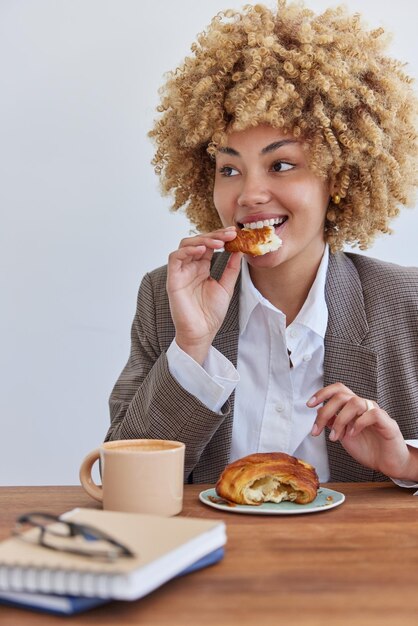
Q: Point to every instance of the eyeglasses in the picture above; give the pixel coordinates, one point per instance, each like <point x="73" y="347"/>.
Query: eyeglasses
<point x="65" y="536"/>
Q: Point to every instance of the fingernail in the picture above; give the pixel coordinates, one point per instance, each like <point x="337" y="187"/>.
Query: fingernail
<point x="230" y="228"/>
<point x="315" y="430"/>
<point x="311" y="401"/>
<point x="333" y="435"/>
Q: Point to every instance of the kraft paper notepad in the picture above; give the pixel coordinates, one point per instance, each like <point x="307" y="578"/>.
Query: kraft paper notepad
<point x="164" y="548"/>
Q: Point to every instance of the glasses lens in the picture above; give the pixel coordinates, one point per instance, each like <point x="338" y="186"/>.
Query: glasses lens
<point x="51" y="532"/>
<point x="80" y="545"/>
<point x="36" y="524"/>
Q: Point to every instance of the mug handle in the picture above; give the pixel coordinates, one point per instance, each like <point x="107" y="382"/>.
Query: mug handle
<point x="87" y="482"/>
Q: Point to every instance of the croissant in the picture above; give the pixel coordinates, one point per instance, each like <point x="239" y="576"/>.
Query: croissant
<point x="268" y="477"/>
<point x="254" y="241"/>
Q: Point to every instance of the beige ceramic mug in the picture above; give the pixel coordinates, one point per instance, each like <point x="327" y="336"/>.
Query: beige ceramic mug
<point x="138" y="476"/>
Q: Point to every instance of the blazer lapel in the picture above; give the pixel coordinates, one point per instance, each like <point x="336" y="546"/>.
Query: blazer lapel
<point x="346" y="359"/>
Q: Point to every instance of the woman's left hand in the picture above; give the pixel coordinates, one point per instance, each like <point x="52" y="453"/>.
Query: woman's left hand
<point x="365" y="430"/>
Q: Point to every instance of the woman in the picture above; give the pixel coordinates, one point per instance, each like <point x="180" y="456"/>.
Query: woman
<point x="299" y="121"/>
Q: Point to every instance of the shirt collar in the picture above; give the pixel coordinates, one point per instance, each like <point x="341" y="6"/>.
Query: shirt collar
<point x="314" y="312"/>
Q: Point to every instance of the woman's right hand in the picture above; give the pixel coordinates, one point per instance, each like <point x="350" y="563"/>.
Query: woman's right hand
<point x="198" y="302"/>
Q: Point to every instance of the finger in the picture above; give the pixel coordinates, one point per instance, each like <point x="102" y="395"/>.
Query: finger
<point x="376" y="417"/>
<point x="215" y="239"/>
<point x="347" y="417"/>
<point x="326" y="393"/>
<point x="179" y="260"/>
<point x="328" y="413"/>
<point x="231" y="272"/>
<point x="360" y="424"/>
<point x="186" y="255"/>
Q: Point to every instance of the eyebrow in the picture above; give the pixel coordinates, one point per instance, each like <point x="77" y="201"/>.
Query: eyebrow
<point x="270" y="148"/>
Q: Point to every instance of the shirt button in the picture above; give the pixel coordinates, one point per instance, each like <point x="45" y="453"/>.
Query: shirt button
<point x="279" y="407"/>
<point x="307" y="357"/>
<point x="293" y="333"/>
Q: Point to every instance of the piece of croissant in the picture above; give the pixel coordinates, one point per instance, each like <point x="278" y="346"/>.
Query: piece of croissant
<point x="254" y="241"/>
<point x="268" y="477"/>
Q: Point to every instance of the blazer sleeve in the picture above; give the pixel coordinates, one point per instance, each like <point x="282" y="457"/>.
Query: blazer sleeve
<point x="147" y="402"/>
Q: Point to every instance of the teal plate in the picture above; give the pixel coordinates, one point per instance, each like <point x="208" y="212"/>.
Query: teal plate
<point x="325" y="500"/>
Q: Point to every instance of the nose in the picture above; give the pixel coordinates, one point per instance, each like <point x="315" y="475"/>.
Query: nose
<point x="254" y="191"/>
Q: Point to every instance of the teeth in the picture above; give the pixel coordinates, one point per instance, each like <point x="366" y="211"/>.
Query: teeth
<point x="271" y="222"/>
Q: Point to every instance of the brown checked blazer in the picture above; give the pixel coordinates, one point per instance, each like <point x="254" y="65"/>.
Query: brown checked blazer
<point x="371" y="345"/>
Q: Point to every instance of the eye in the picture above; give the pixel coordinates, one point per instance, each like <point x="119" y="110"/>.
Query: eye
<point x="228" y="171"/>
<point x="281" y="166"/>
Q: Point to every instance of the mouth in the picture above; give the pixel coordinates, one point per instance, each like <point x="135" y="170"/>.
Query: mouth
<point x="276" y="221"/>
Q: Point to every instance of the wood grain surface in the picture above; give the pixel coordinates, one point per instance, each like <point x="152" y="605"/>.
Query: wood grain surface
<point x="356" y="564"/>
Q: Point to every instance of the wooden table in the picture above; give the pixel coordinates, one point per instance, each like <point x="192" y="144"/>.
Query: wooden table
<point x="356" y="564"/>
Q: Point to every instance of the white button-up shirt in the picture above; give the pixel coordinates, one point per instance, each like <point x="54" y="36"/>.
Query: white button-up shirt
<point x="270" y="398"/>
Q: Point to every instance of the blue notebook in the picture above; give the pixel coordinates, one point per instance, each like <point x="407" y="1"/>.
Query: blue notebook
<point x="69" y="605"/>
<point x="50" y="603"/>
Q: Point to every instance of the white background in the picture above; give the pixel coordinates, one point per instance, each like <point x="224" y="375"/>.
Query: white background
<point x="80" y="205"/>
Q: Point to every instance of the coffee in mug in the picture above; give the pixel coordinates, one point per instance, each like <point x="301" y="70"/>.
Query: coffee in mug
<point x="138" y="476"/>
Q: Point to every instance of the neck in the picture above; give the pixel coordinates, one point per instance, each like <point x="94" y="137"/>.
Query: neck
<point x="287" y="286"/>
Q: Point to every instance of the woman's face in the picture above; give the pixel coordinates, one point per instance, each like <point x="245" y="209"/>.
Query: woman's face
<point x="263" y="174"/>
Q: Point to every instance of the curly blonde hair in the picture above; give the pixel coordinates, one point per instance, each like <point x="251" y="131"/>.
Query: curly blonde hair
<point x="323" y="78"/>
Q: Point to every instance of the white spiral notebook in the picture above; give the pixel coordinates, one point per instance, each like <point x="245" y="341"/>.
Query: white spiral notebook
<point x="164" y="548"/>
